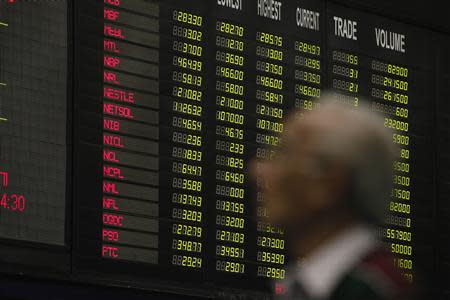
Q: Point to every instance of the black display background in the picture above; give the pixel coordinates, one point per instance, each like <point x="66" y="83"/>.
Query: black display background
<point x="421" y="109"/>
<point x="416" y="60"/>
<point x="429" y="64"/>
<point x="52" y="256"/>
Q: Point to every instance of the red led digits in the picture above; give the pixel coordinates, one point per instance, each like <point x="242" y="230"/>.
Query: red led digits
<point x="110" y="77"/>
<point x="112" y="220"/>
<point x="118" y="94"/>
<point x="111" y="125"/>
<point x="110" y="46"/>
<point x="17" y="203"/>
<point x="110" y="203"/>
<point x="12" y="202"/>
<point x="110" y="235"/>
<point x="122" y="131"/>
<point x="114" y="141"/>
<point x="117" y="110"/>
<point x="280" y="289"/>
<point x="110" y="61"/>
<point x="112" y="2"/>
<point x="110" y="252"/>
<point x="112" y="172"/>
<point x="110" y="14"/>
<point x="4" y="179"/>
<point x="110" y="188"/>
<point x="113" y="32"/>
<point x="110" y="156"/>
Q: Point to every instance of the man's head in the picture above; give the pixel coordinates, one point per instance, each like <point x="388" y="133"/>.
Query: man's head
<point x="335" y="160"/>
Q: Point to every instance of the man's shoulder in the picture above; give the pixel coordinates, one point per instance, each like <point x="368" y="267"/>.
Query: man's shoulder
<point x="374" y="277"/>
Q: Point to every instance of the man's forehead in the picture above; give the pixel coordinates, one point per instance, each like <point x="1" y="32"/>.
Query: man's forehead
<point x="313" y="123"/>
<point x="299" y="134"/>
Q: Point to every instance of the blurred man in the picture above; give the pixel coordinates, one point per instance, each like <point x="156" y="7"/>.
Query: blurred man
<point x="328" y="186"/>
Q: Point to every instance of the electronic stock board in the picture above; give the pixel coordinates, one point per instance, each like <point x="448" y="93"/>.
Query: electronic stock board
<point x="127" y="127"/>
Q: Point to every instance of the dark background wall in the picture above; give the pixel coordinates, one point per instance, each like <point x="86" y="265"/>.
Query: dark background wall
<point x="18" y="288"/>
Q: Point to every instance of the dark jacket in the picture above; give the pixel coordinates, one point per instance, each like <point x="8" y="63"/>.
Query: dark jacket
<point x="375" y="277"/>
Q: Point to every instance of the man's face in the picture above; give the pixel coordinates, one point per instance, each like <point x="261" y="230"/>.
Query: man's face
<point x="294" y="189"/>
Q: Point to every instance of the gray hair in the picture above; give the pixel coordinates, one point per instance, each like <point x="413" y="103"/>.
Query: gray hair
<point x="360" y="142"/>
